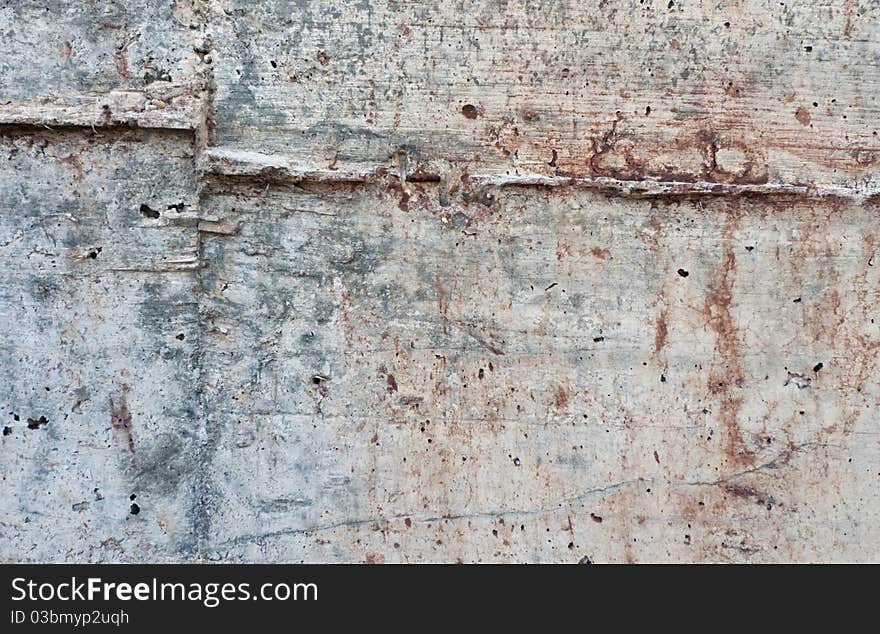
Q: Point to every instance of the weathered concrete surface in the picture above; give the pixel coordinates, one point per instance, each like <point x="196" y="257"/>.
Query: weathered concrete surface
<point x="99" y="306"/>
<point x="742" y="92"/>
<point x="294" y="300"/>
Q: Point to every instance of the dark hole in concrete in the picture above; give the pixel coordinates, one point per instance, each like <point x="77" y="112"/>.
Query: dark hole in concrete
<point x="683" y="273"/>
<point x="149" y="212"/>
<point x="135" y="509"/>
<point x="35" y="423"/>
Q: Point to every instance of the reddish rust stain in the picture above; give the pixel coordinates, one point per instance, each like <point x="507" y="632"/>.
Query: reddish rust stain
<point x="563" y="250"/>
<point x="322" y="57"/>
<point x="122" y="63"/>
<point x="422" y="176"/>
<point x="443" y="306"/>
<point x="569" y="528"/>
<point x="848" y="15"/>
<point x="618" y="153"/>
<point x="530" y="114"/>
<point x="392" y="383"/>
<point x="332" y="164"/>
<point x="561" y="398"/>
<point x="408" y="522"/>
<point x="375" y="438"/>
<point x="371" y="103"/>
<point x="66" y="51"/>
<point x="803" y="116"/>
<point x="748" y="493"/>
<point x="652" y="237"/>
<point x="752" y="172"/>
<point x="120" y="421"/>
<point x="601" y="254"/>
<point x="723" y="382"/>
<point x="394" y="185"/>
<point x="661" y="331"/>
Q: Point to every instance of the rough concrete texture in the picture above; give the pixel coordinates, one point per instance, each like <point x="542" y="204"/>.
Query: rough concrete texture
<point x="401" y="281"/>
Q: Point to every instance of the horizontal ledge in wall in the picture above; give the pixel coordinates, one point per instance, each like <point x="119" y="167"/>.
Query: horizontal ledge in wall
<point x="231" y="162"/>
<point x="161" y="105"/>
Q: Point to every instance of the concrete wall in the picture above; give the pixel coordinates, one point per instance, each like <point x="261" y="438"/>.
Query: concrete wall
<point x="400" y="281"/>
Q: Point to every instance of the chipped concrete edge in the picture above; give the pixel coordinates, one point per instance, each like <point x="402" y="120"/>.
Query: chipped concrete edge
<point x="231" y="162"/>
<point x="161" y="105"/>
<point x="187" y="107"/>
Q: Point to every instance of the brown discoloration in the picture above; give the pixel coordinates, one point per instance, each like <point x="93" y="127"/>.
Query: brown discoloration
<point x="661" y="331"/>
<point x="725" y="382"/>
<point x="709" y="157"/>
<point x="121" y="61"/>
<point x="326" y="274"/>
<point x="803" y="116"/>
<point x="443" y="306"/>
<point x="394" y="185"/>
<point x="66" y="51"/>
<point x="74" y="162"/>
<point x="600" y="253"/>
<point x="560" y="398"/>
<point x="563" y="250"/>
<point x="847" y="18"/>
<point x="749" y="493"/>
<point x="422" y="176"/>
<point x="529" y="114"/>
<point x="120" y="421"/>
<point x="470" y="111"/>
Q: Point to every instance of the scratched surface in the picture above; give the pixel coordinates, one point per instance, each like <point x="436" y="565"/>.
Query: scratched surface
<point x="404" y="282"/>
